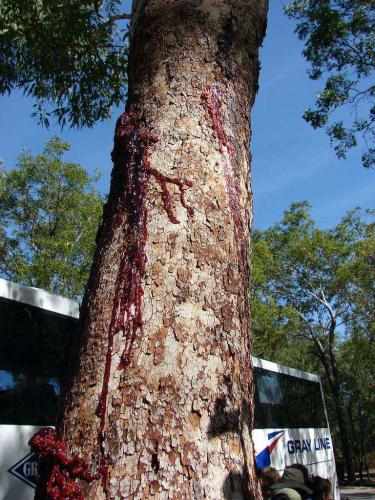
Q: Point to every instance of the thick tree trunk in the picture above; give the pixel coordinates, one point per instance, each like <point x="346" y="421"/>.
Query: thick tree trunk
<point x="161" y="403"/>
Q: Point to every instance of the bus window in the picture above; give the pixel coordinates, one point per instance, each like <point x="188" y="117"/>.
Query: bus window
<point x="284" y="401"/>
<point x="34" y="349"/>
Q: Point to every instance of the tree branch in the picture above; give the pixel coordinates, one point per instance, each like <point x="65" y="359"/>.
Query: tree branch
<point x="323" y="301"/>
<point x="118" y="17"/>
<point x="311" y="335"/>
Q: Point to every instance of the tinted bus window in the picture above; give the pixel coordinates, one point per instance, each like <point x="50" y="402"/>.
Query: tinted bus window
<point x="35" y="348"/>
<point x="284" y="401"/>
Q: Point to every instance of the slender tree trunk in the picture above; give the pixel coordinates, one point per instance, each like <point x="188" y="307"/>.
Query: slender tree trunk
<point x="343" y="428"/>
<point x="362" y="437"/>
<point x="333" y="377"/>
<point x="340" y="411"/>
<point x="161" y="403"/>
<point x="353" y="438"/>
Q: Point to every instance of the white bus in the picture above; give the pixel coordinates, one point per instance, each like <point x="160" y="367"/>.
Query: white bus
<point x="38" y="332"/>
<point x="290" y="421"/>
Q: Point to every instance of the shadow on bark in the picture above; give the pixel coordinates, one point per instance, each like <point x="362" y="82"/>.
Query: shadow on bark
<point x="226" y="420"/>
<point x="236" y="486"/>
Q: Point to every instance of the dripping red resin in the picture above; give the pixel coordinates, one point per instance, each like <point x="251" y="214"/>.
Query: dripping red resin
<point x="57" y="470"/>
<point x="130" y="179"/>
<point x="125" y="211"/>
<point x="212" y="100"/>
<point x="132" y="170"/>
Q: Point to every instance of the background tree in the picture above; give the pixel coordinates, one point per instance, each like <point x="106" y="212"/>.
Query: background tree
<point x="49" y="214"/>
<point x="274" y="324"/>
<point x="357" y="362"/>
<point x="340" y="46"/>
<point x="315" y="273"/>
<point x="70" y="56"/>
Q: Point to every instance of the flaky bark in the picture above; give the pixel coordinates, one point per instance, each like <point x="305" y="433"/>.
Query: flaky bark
<point x="175" y="419"/>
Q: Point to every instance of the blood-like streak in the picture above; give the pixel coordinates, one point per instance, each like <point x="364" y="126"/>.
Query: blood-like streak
<point x="212" y="102"/>
<point x="57" y="470"/>
<point x="132" y="170"/>
<point x="133" y="165"/>
<point x="125" y="212"/>
<point x="163" y="180"/>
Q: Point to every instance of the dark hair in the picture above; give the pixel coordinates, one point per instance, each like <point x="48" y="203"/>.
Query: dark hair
<point x="321" y="487"/>
<point x="270" y="475"/>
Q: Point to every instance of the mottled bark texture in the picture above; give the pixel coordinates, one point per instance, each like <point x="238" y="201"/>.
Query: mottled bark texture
<point x="175" y="420"/>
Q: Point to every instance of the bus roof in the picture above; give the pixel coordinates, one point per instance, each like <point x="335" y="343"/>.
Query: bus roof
<point x="66" y="307"/>
<point x="39" y="298"/>
<point x="275" y="367"/>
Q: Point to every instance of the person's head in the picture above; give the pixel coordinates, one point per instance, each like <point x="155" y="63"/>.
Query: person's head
<point x="268" y="477"/>
<point x="295" y="479"/>
<point x="287" y="494"/>
<point x="303" y="469"/>
<point x="321" y="487"/>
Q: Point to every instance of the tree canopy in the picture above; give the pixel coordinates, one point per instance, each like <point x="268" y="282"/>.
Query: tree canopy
<point x="313" y="301"/>
<point x="49" y="213"/>
<point x="340" y="46"/>
<point x="309" y="281"/>
<point x="70" y="56"/>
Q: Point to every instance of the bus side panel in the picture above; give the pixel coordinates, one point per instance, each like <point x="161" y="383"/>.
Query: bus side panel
<point x="311" y="447"/>
<point x="17" y="463"/>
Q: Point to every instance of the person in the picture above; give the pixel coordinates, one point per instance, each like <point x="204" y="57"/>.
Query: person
<point x="287" y="494"/>
<point x="268" y="477"/>
<point x="321" y="488"/>
<point x="292" y="486"/>
<point x="305" y="471"/>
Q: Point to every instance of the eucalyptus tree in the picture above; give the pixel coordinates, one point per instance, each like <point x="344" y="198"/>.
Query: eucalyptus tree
<point x="161" y="401"/>
<point x="316" y="273"/>
<point x="340" y="46"/>
<point x="49" y="215"/>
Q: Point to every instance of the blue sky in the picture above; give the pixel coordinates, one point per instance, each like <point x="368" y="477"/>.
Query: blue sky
<point x="291" y="161"/>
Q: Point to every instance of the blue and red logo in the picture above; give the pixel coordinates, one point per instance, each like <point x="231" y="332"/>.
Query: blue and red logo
<point x="26" y="469"/>
<point x="263" y="459"/>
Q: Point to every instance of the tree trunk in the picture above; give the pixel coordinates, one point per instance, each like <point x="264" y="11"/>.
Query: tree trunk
<point x="343" y="428"/>
<point x="340" y="410"/>
<point x="161" y="403"/>
<point x="355" y="449"/>
<point x="333" y="377"/>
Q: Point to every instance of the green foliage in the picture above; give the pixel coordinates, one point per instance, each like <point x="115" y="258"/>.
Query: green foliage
<point x="310" y="269"/>
<point x="359" y="274"/>
<point x="70" y="56"/>
<point x="49" y="213"/>
<point x="313" y="305"/>
<point x="340" y="45"/>
<point x="273" y="324"/>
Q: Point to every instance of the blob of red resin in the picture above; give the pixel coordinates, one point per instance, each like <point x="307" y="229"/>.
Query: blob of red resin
<point x="57" y="470"/>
